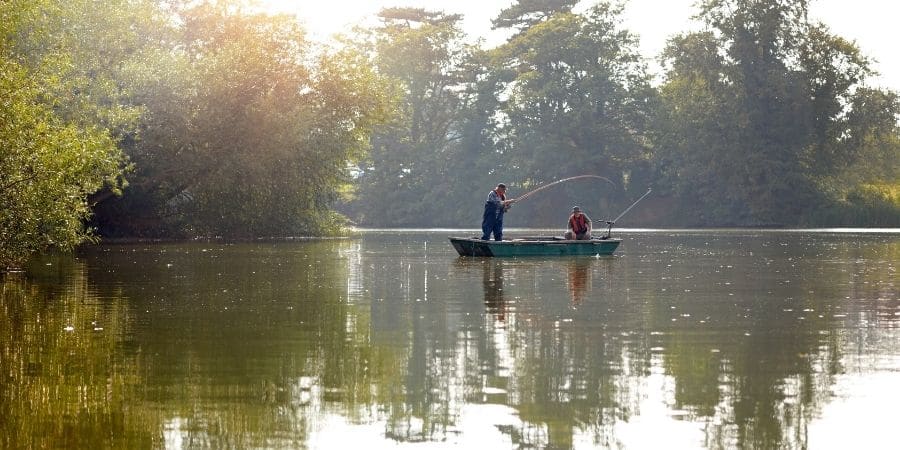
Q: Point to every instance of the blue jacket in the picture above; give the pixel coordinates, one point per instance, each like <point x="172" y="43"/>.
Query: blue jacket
<point x="494" y="203"/>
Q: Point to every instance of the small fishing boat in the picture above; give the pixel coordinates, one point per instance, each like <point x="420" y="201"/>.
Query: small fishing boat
<point x="534" y="246"/>
<point x="544" y="245"/>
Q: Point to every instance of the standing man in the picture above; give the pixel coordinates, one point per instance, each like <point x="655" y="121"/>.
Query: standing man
<point x="494" y="207"/>
<point x="579" y="225"/>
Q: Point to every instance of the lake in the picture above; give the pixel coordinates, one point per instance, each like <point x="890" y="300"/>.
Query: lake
<point x="682" y="339"/>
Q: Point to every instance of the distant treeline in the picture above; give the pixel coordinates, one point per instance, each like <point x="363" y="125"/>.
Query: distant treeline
<point x="178" y="118"/>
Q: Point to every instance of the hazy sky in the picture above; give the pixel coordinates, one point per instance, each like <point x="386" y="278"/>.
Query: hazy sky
<point x="871" y="23"/>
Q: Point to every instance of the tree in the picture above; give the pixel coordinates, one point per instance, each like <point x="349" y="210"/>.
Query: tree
<point x="524" y="14"/>
<point x="248" y="131"/>
<point x="578" y="102"/>
<point x="567" y="95"/>
<point x="865" y="190"/>
<point x="755" y="113"/>
<point x="871" y="142"/>
<point x="59" y="124"/>
<point x="411" y="161"/>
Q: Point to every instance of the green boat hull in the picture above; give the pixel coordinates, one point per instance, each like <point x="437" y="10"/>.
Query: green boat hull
<point x="534" y="246"/>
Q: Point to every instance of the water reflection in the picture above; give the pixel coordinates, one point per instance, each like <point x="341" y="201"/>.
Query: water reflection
<point x="717" y="341"/>
<point x="492" y="280"/>
<point x="63" y="380"/>
<point x="579" y="279"/>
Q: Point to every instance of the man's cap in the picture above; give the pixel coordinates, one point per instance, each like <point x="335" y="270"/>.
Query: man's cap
<point x="501" y="185"/>
<point x="576" y="208"/>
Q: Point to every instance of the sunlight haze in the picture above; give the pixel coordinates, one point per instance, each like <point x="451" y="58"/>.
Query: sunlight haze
<point x="870" y="23"/>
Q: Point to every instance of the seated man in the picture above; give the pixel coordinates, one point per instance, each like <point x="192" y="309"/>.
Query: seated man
<point x="579" y="225"/>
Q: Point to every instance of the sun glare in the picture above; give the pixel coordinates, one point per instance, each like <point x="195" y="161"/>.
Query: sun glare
<point x="322" y="18"/>
<point x="285" y="6"/>
<point x="653" y="20"/>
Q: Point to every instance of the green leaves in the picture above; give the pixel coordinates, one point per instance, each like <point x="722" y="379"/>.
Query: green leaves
<point x="424" y="61"/>
<point x="233" y="124"/>
<point x="48" y="168"/>
<point x="248" y="130"/>
<point x="60" y="119"/>
<point x="579" y="100"/>
<point x="523" y="14"/>
<point x="759" y="117"/>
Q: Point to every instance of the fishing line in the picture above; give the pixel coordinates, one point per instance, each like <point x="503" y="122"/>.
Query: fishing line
<point x="530" y="193"/>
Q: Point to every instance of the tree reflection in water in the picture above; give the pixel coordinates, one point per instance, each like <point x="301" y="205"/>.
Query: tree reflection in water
<point x="64" y="382"/>
<point x="492" y="280"/>
<point x="292" y="345"/>
<point x="579" y="279"/>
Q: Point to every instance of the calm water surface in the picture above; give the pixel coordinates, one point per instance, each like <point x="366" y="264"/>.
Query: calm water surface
<point x="713" y="339"/>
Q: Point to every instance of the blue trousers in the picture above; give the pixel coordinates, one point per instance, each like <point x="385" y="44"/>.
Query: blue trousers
<point x="492" y="222"/>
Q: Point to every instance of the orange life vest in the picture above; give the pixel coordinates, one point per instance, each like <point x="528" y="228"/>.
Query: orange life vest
<point x="578" y="223"/>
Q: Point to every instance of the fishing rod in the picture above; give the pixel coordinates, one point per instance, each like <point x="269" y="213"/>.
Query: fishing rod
<point x="611" y="222"/>
<point x="530" y="193"/>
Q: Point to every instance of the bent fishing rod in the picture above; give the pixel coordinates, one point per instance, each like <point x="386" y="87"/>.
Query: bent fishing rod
<point x="610" y="223"/>
<point x="530" y="193"/>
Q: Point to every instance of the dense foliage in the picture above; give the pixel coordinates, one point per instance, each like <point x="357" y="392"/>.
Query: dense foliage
<point x="525" y="111"/>
<point x="228" y="122"/>
<point x="60" y="119"/>
<point x="224" y="122"/>
<point x="423" y="53"/>
<point x="248" y="131"/>
<point x="579" y="102"/>
<point x="762" y="120"/>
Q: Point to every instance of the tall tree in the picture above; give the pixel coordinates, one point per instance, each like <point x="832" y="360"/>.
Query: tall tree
<point x="411" y="158"/>
<point x="61" y="116"/>
<point x="249" y="130"/>
<point x="756" y="112"/>
<point x="578" y="102"/>
<point x="524" y="14"/>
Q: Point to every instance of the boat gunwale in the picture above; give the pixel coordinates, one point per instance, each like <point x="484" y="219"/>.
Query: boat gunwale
<point x="538" y="240"/>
